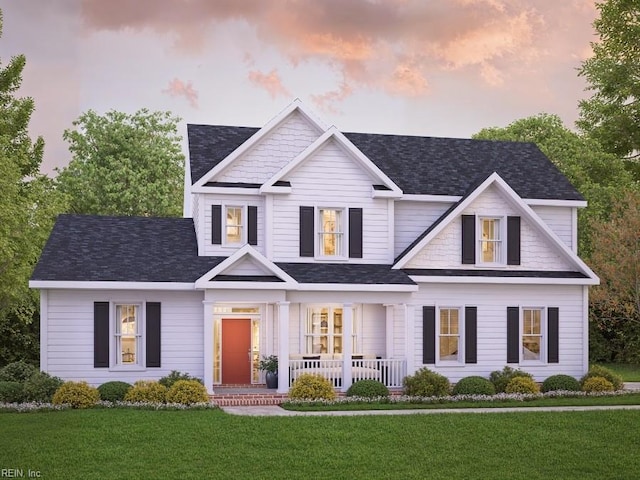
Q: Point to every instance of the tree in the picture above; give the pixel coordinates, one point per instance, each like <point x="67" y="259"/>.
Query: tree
<point x="615" y="312"/>
<point x="28" y="205"/>
<point x="612" y="114"/>
<point x="124" y="164"/>
<point x="599" y="176"/>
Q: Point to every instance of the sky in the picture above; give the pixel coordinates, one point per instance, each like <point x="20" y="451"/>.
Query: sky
<point x="444" y="68"/>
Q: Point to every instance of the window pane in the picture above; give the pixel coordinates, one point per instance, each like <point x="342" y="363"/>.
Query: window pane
<point x="127" y="334"/>
<point x="531" y="347"/>
<point x="234" y="225"/>
<point x="330" y="232"/>
<point x="531" y="334"/>
<point x="490" y="242"/>
<point x="448" y="348"/>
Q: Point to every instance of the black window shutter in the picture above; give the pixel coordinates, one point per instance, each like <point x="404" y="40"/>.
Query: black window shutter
<point x="428" y="334"/>
<point x="468" y="239"/>
<point x="513" y="334"/>
<point x="100" y="334"/>
<point x="553" y="325"/>
<point x="306" y="232"/>
<point x="153" y="334"/>
<point x="513" y="240"/>
<point x="355" y="233"/>
<point x="216" y="224"/>
<point x="252" y="231"/>
<point x="471" y="335"/>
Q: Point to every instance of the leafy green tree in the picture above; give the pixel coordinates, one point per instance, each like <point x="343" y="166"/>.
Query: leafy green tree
<point x="599" y="176"/>
<point x="612" y="114"/>
<point x="124" y="164"/>
<point x="28" y="205"/>
<point x="615" y="303"/>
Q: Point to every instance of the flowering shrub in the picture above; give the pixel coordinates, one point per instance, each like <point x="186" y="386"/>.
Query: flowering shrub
<point x="598" y="371"/>
<point x="76" y="394"/>
<point x="187" y="392"/>
<point x="311" y="386"/>
<point x="500" y="378"/>
<point x="560" y="382"/>
<point x="368" y="389"/>
<point x="522" y="385"/>
<point x="597" y="384"/>
<point x="146" y="391"/>
<point x="425" y="383"/>
<point x="474" y="385"/>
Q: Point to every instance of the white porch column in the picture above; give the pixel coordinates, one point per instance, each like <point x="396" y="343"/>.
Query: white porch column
<point x="208" y="346"/>
<point x="389" y="330"/>
<point x="283" y="347"/>
<point x="410" y="344"/>
<point x="347" y="345"/>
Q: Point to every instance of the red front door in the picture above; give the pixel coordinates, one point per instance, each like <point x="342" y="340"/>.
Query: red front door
<point x="236" y="349"/>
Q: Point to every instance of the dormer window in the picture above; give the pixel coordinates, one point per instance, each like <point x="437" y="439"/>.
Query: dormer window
<point x="490" y="240"/>
<point x="330" y="232"/>
<point x="234" y="225"/>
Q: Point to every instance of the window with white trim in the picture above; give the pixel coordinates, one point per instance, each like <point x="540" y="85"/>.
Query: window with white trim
<point x="449" y="335"/>
<point x="128" y="335"/>
<point x="324" y="330"/>
<point x="330" y="232"/>
<point x="490" y="240"/>
<point x="234" y="225"/>
<point x="532" y="339"/>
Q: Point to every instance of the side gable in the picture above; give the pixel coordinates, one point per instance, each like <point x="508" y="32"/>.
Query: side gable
<point x="268" y="149"/>
<point x="440" y="246"/>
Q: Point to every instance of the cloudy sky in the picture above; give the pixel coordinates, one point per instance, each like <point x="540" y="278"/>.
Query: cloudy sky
<point x="420" y="67"/>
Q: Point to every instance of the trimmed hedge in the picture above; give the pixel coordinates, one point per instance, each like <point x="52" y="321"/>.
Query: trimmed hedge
<point x="176" y="376"/>
<point x="501" y="378"/>
<point x="187" y="392"/>
<point x="522" y="385"/>
<point x="309" y="386"/>
<point x="368" y="389"/>
<point x="474" y="385"/>
<point x="113" y="391"/>
<point x="40" y="387"/>
<point x="598" y="371"/>
<point x="425" y="383"/>
<point x="560" y="382"/>
<point x="76" y="394"/>
<point x="146" y="391"/>
<point x="597" y="384"/>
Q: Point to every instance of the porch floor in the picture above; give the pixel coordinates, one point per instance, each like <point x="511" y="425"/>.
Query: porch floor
<point x="245" y="395"/>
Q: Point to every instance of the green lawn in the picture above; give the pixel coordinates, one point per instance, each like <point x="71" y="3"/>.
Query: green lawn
<point x="629" y="373"/>
<point x="211" y="444"/>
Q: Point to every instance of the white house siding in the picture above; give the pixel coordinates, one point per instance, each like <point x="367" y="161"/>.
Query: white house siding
<point x="412" y="219"/>
<point x="223" y="250"/>
<point x="559" y="220"/>
<point x="69" y="348"/>
<point x="331" y="178"/>
<point x="492" y="302"/>
<point x="247" y="266"/>
<point x="399" y="331"/>
<point x="272" y="152"/>
<point x="536" y="251"/>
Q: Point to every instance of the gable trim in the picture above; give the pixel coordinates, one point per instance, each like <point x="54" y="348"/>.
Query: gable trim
<point x="519" y="203"/>
<point x="206" y="280"/>
<point x="415" y="197"/>
<point x="333" y="133"/>
<point x="271" y="125"/>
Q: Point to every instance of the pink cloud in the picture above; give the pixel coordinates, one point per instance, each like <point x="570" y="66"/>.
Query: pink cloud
<point x="270" y="82"/>
<point x="327" y="101"/>
<point x="178" y="88"/>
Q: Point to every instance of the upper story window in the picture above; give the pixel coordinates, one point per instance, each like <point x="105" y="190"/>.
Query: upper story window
<point x="234" y="226"/>
<point x="490" y="240"/>
<point x="330" y="232"/>
<point x="128" y="335"/>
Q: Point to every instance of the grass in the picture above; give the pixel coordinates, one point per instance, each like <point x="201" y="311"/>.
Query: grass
<point x="139" y="444"/>
<point x="629" y="373"/>
<point x="630" y="399"/>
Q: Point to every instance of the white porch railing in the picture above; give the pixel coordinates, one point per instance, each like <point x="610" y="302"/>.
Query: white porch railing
<point x="390" y="372"/>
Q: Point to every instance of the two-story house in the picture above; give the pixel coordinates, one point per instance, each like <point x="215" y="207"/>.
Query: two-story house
<point x="352" y="255"/>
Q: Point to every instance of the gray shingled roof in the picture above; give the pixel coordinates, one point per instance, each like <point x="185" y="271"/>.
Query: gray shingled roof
<point x="125" y="249"/>
<point x="361" y="273"/>
<point x="453" y="272"/>
<point x="418" y="165"/>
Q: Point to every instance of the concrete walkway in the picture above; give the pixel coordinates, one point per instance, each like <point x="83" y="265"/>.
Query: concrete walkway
<point x="276" y="411"/>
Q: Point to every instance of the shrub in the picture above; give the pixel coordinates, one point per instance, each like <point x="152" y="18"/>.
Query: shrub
<point x="560" y="382"/>
<point x="17" y="372"/>
<point x="522" y="385"/>
<point x="11" y="392"/>
<point x="368" y="389"/>
<point x="76" y="394"/>
<point x="425" y="383"/>
<point x="41" y="386"/>
<point x="500" y="378"/>
<point x="146" y="391"/>
<point x="597" y="384"/>
<point x="113" y="391"/>
<point x="474" y="385"/>
<point x="174" y="377"/>
<point x="598" y="371"/>
<point x="309" y="386"/>
<point x="187" y="392"/>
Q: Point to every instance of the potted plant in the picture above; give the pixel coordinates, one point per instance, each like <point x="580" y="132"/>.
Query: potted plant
<point x="270" y="366"/>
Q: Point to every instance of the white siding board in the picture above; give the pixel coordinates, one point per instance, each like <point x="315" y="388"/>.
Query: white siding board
<point x="247" y="266"/>
<point x="273" y="152"/>
<point x="444" y="251"/>
<point x="558" y="219"/>
<point x="412" y="219"/>
<point x="70" y="340"/>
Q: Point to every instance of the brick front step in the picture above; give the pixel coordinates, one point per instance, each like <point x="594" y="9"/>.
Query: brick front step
<point x="247" y="399"/>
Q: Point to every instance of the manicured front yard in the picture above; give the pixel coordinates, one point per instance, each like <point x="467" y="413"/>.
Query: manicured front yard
<point x="211" y="444"/>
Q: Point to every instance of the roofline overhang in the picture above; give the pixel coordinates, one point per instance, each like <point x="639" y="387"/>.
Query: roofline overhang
<point x="538" y="202"/>
<point x="116" y="285"/>
<point x="504" y="280"/>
